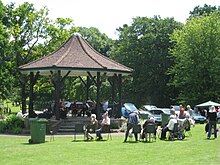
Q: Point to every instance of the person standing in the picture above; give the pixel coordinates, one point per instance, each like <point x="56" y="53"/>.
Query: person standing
<point x="182" y="113"/>
<point x="212" y="117"/>
<point x="133" y="119"/>
<point x="172" y="111"/>
<point x="189" y="110"/>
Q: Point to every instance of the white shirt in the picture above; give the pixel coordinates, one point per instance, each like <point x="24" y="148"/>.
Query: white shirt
<point x="106" y="121"/>
<point x="171" y="124"/>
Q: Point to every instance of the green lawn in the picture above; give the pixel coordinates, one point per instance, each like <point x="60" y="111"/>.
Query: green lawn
<point x="192" y="150"/>
<point x="14" y="109"/>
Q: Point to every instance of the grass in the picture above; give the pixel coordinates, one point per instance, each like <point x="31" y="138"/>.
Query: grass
<point x="8" y="104"/>
<point x="15" y="150"/>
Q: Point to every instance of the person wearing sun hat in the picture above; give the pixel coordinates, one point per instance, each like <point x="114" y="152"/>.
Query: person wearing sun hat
<point x="92" y="125"/>
<point x="212" y="117"/>
<point x="148" y="121"/>
<point x="169" y="127"/>
<point x="105" y="121"/>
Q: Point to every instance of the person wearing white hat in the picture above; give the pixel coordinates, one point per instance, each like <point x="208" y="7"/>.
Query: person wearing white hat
<point x="169" y="127"/>
<point x="105" y="121"/>
<point x="212" y="117"/>
<point x="148" y="121"/>
<point x="91" y="126"/>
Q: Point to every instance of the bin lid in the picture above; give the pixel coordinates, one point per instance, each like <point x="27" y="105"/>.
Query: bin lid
<point x="38" y="120"/>
<point x="42" y="120"/>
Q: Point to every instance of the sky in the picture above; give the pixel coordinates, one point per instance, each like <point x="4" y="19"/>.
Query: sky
<point x="108" y="15"/>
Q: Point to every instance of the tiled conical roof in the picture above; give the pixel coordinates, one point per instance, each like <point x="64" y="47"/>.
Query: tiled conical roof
<point x="78" y="57"/>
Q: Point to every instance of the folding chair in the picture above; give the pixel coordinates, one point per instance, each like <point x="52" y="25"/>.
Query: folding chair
<point x="188" y="132"/>
<point x="135" y="130"/>
<point x="187" y="127"/>
<point x="107" y="129"/>
<point x="79" y="128"/>
<point x="173" y="132"/>
<point x="149" y="131"/>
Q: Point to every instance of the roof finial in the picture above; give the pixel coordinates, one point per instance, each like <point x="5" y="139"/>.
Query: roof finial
<point x="76" y="34"/>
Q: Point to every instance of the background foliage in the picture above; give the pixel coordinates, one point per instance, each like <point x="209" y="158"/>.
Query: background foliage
<point x="173" y="62"/>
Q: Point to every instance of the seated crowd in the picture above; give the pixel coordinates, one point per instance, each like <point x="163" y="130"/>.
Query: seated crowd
<point x="182" y="120"/>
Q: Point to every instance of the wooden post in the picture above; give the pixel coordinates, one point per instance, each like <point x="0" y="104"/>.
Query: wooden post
<point x="118" y="113"/>
<point x="87" y="87"/>
<point x="98" y="85"/>
<point x="57" y="84"/>
<point x="31" y="99"/>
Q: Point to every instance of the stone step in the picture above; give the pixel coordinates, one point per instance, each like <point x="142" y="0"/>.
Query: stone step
<point x="66" y="130"/>
<point x="67" y="127"/>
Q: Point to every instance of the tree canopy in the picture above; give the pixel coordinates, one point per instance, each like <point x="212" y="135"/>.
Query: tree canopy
<point x="172" y="62"/>
<point x="144" y="46"/>
<point x="196" y="53"/>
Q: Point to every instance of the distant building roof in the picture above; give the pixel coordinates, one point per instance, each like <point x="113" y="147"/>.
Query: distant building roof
<point x="77" y="56"/>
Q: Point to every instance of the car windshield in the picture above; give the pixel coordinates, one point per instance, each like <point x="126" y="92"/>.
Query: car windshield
<point x="149" y="107"/>
<point x="167" y="111"/>
<point x="149" y="114"/>
<point x="176" y="107"/>
<point x="130" y="107"/>
<point x="196" y="114"/>
<point x="156" y="112"/>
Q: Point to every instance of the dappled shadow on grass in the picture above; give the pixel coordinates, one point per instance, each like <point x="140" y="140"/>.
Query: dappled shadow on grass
<point x="132" y="142"/>
<point x="175" y="140"/>
<point x="209" y="139"/>
<point x="87" y="141"/>
<point x="145" y="141"/>
<point x="27" y="143"/>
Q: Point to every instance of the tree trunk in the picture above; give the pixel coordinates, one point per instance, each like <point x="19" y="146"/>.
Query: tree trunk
<point x="23" y="97"/>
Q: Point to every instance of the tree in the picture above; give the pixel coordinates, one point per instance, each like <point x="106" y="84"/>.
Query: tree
<point x="99" y="41"/>
<point x="144" y="47"/>
<point x="4" y="39"/>
<point x="203" y="11"/>
<point x="196" y="53"/>
<point x="26" y="27"/>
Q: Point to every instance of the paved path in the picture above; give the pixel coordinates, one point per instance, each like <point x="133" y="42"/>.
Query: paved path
<point x="59" y="135"/>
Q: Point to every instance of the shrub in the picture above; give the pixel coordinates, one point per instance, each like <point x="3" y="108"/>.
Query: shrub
<point x="16" y="130"/>
<point x="2" y="126"/>
<point x="14" y="124"/>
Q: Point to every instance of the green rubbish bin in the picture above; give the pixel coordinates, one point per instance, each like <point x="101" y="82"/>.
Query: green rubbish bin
<point x="165" y="119"/>
<point x="38" y="130"/>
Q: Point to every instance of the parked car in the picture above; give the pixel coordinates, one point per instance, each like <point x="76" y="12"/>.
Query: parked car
<point x="146" y="115"/>
<point x="176" y="107"/>
<point x="148" y="107"/>
<point x="129" y="107"/>
<point x="158" y="113"/>
<point x="198" y="118"/>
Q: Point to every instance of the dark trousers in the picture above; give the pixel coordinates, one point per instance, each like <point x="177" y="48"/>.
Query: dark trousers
<point x="212" y="124"/>
<point x="98" y="132"/>
<point x="129" y="127"/>
<point x="164" y="131"/>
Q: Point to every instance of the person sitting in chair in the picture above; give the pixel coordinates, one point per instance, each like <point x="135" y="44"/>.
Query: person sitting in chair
<point x="105" y="121"/>
<point x="169" y="127"/>
<point x="92" y="125"/>
<point x="148" y="121"/>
